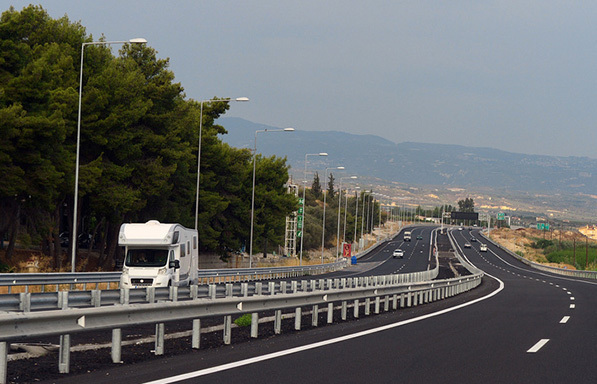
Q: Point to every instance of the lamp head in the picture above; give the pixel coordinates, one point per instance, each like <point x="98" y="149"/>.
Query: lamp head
<point x="288" y="129"/>
<point x="138" y="40"/>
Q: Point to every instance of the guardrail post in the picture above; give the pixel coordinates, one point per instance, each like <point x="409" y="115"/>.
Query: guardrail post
<point x="313" y="284"/>
<point x="278" y="322"/>
<point x="196" y="336"/>
<point x="173" y="294"/>
<point x="211" y="291"/>
<point x="63" y="299"/>
<point x="343" y="310"/>
<point x="25" y="301"/>
<point x="315" y="315"/>
<point x="3" y="362"/>
<point x="377" y="305"/>
<point x="297" y="318"/>
<point x="356" y="309"/>
<point x="304" y="285"/>
<point x="258" y="288"/>
<point x="124" y="295"/>
<point x="367" y="306"/>
<point x="330" y="313"/>
<point x="409" y="299"/>
<point x="244" y="289"/>
<point x="229" y="290"/>
<point x="96" y="298"/>
<point x="194" y="291"/>
<point x="386" y="303"/>
<point x="150" y="295"/>
<point x="159" y="339"/>
<point x="64" y="354"/>
<point x="227" y="329"/>
<point x="254" y="325"/>
<point x="271" y="287"/>
<point x="283" y="287"/>
<point x="343" y="282"/>
<point x="395" y="302"/>
<point x="116" y="351"/>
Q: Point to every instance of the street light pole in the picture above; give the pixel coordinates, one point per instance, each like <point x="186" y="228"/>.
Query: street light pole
<point x="356" y="215"/>
<point x="339" y="208"/>
<point x="304" y="189"/>
<point x="76" y="197"/>
<point x="253" y="191"/>
<point x="363" y="217"/>
<point x="324" y="198"/>
<point x="227" y="100"/>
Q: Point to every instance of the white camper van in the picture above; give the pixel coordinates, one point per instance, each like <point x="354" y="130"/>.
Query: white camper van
<point x="158" y="255"/>
<point x="407" y="235"/>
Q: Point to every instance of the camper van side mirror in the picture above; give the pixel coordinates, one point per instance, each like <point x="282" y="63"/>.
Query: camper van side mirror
<point x="174" y="264"/>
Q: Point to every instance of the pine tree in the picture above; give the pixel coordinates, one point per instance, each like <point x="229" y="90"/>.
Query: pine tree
<point x="316" y="186"/>
<point x="331" y="187"/>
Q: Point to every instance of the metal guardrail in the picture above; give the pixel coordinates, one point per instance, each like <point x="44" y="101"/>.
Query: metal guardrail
<point x="168" y="304"/>
<point x="546" y="268"/>
<point x="205" y="275"/>
<point x="18" y="325"/>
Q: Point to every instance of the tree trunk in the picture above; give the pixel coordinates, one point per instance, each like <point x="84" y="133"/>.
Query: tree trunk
<point x="113" y="229"/>
<point x="57" y="249"/>
<point x="12" y="239"/>
<point x="92" y="241"/>
<point x="265" y="247"/>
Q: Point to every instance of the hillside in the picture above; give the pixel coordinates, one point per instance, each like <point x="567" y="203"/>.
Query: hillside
<point x="434" y="174"/>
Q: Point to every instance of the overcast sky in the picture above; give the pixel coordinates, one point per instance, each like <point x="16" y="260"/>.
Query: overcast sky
<point x="514" y="75"/>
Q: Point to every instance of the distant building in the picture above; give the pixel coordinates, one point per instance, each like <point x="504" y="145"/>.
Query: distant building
<point x="590" y="231"/>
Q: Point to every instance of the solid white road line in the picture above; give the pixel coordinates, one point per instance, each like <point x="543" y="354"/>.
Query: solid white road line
<point x="564" y="319"/>
<point x="538" y="346"/>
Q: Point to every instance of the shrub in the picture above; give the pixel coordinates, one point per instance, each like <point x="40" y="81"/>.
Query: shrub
<point x="542" y="244"/>
<point x="244" y="320"/>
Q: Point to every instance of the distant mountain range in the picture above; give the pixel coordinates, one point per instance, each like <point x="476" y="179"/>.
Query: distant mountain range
<point x="419" y="163"/>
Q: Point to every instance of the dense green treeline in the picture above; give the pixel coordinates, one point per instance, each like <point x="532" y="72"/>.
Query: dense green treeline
<point x="138" y="152"/>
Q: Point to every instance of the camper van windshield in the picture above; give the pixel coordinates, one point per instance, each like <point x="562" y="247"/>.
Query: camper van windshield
<point x="146" y="257"/>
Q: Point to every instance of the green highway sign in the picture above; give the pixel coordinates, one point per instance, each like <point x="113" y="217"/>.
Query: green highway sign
<point x="299" y="233"/>
<point x="501" y="216"/>
<point x="301" y="201"/>
<point x="543" y="226"/>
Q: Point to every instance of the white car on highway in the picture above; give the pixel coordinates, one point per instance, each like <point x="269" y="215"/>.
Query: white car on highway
<point x="398" y="253"/>
<point x="483" y="248"/>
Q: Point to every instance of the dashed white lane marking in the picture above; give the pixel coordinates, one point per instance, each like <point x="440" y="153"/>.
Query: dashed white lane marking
<point x="538" y="346"/>
<point x="572" y="306"/>
<point x="564" y="319"/>
<point x="568" y="292"/>
<point x="571" y="297"/>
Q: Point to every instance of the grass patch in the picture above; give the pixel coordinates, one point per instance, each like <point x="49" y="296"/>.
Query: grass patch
<point x="580" y="261"/>
<point x="244" y="320"/>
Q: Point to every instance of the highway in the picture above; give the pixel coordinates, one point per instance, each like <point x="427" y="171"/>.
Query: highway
<point x="518" y="326"/>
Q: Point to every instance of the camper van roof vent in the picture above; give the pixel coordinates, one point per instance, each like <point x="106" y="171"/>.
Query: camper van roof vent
<point x="153" y="222"/>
